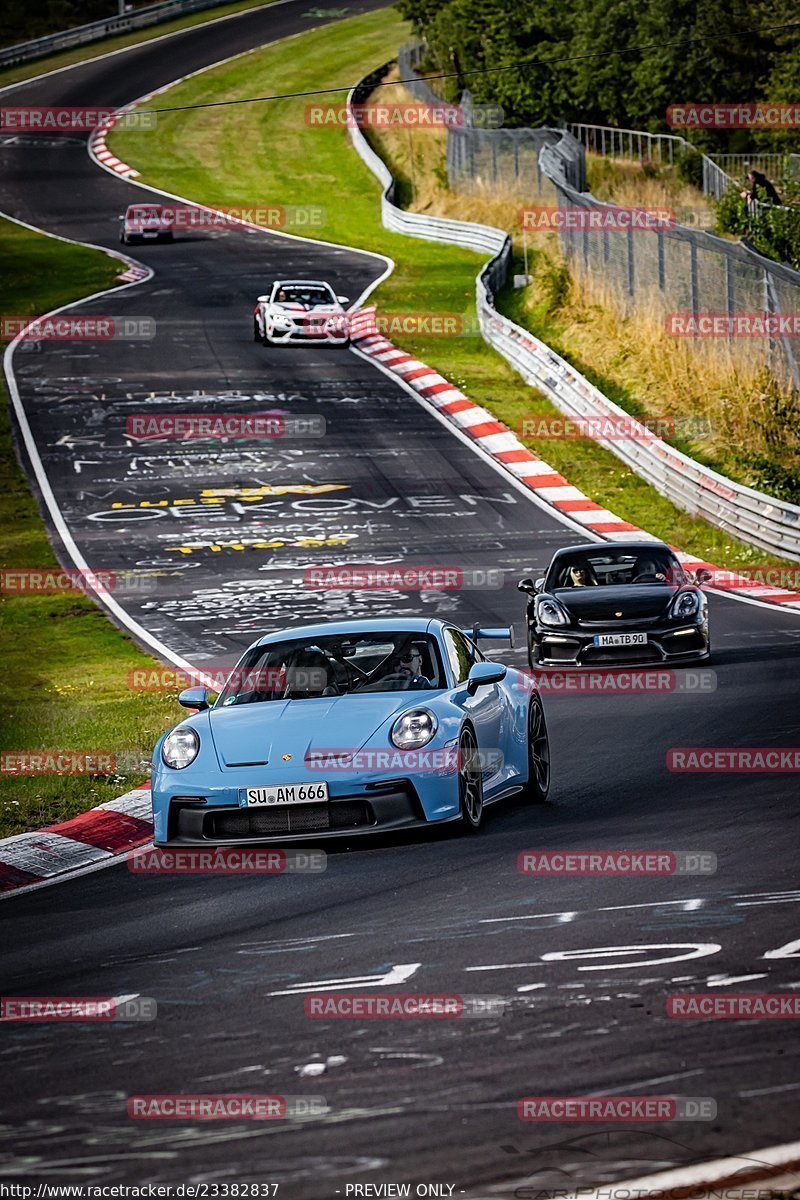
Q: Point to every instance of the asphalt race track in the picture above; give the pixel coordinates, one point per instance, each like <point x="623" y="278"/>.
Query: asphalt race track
<point x="228" y="959"/>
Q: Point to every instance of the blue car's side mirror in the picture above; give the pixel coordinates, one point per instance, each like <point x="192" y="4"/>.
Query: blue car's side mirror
<point x="194" y="697"/>
<point x="483" y="673"/>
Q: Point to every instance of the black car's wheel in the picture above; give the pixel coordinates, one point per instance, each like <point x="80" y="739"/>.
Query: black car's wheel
<point x="470" y="782"/>
<point x="538" y="784"/>
<point x="532" y="663"/>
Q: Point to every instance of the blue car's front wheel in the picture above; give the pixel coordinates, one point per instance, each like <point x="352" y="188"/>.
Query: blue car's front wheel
<point x="538" y="754"/>
<point x="470" y="780"/>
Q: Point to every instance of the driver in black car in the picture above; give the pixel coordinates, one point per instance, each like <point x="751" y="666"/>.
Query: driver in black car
<point x="649" y="570"/>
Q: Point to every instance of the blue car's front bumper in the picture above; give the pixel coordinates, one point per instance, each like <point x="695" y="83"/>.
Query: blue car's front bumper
<point x="187" y="812"/>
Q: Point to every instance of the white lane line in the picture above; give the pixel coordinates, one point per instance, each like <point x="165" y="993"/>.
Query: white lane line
<point x="397" y="974"/>
<point x="688" y="906"/>
<point x="162" y="37"/>
<point x="771" y="1091"/>
<point x="626" y="1088"/>
<point x="725" y="980"/>
<point x="504" y="966"/>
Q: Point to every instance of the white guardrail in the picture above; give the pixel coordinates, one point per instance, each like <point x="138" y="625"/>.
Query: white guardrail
<point x="80" y="35"/>
<point x="773" y="525"/>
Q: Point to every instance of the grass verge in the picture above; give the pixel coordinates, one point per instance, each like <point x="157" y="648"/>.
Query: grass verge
<point x="65" y="667"/>
<point x="232" y="155"/>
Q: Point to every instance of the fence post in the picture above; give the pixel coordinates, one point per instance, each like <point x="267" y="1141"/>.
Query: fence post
<point x="631" y="284"/>
<point x="694" y="281"/>
<point x="661" y="270"/>
<point x="730" y="298"/>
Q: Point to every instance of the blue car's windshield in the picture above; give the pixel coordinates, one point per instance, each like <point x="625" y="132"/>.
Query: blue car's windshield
<point x="341" y="665"/>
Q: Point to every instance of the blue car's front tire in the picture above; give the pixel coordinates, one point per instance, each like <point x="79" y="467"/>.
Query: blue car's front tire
<point x="470" y="781"/>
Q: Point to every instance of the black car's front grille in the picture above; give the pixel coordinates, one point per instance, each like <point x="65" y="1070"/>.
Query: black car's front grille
<point x="613" y="624"/>
<point x="245" y="823"/>
<point x="616" y="655"/>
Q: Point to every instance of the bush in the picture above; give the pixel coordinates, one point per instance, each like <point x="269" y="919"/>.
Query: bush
<point x="773" y="230"/>
<point x="689" y="166"/>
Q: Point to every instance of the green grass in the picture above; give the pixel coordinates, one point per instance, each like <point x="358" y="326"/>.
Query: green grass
<point x="64" y="666"/>
<point x="268" y="151"/>
<point x="65" y="58"/>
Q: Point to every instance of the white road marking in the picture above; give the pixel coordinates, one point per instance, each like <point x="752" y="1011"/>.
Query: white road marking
<point x="785" y="1087"/>
<point x="696" y="950"/>
<point x="397" y="974"/>
<point x="789" y="950"/>
<point x="688" y="906"/>
<point x="724" y="980"/>
<point x="503" y="966"/>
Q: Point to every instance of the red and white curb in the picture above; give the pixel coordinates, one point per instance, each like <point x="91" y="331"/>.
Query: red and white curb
<point x="497" y="440"/>
<point x="92" y="837"/>
<point x="771" y="1170"/>
<point x="104" y="155"/>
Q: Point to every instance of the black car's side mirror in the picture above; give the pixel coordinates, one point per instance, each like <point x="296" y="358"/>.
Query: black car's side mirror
<point x="703" y="576"/>
<point x="525" y="585"/>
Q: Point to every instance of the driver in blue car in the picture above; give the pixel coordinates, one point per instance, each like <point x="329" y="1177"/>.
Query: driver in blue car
<point x="406" y="671"/>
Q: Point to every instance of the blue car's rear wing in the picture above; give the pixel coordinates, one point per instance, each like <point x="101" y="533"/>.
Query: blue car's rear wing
<point x="495" y="632"/>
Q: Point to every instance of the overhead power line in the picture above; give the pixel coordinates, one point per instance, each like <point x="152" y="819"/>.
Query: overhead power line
<point x="520" y="64"/>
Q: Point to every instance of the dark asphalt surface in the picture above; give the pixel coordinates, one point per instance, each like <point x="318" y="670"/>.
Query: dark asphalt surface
<point x="416" y="1101"/>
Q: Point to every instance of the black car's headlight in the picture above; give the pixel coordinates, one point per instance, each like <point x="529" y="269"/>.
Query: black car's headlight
<point x="685" y="604"/>
<point x="414" y="729"/>
<point x="550" y="612"/>
<point x="180" y="747"/>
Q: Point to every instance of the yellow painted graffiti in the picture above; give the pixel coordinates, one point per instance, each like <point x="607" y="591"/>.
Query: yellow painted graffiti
<point x="304" y="543"/>
<point x="245" y="494"/>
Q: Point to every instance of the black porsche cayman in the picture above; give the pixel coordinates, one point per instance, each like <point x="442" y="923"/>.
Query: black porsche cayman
<point x="626" y="602"/>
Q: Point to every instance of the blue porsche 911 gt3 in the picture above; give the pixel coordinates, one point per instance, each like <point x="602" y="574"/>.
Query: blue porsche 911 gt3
<point x="350" y="727"/>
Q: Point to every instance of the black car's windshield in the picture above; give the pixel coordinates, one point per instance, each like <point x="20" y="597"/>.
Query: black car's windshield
<point x="612" y="568"/>
<point x="306" y="293"/>
<point x="341" y="665"/>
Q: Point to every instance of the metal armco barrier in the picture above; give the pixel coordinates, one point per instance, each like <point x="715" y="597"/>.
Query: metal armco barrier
<point x="79" y="35"/>
<point x="773" y="525"/>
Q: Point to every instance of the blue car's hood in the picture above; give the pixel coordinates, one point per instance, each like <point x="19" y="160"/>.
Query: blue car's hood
<point x="264" y="732"/>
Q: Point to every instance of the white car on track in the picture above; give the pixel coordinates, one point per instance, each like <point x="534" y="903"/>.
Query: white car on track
<point x="301" y="310"/>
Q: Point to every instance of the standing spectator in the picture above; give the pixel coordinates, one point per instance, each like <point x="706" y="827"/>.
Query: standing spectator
<point x="761" y="189"/>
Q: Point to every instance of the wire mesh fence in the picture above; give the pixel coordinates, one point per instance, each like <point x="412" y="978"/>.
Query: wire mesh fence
<point x="718" y="293"/>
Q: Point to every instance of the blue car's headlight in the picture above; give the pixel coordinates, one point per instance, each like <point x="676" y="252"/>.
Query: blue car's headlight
<point x="550" y="612"/>
<point x="685" y="604"/>
<point x="414" y="729"/>
<point x="180" y="747"/>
